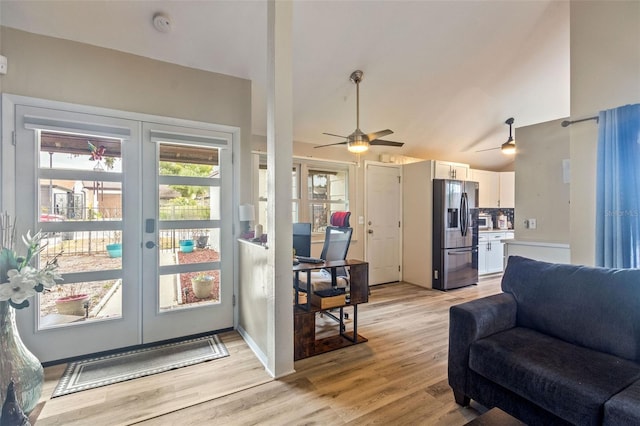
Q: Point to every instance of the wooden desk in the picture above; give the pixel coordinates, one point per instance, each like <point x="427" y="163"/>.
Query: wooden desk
<point x="304" y="314"/>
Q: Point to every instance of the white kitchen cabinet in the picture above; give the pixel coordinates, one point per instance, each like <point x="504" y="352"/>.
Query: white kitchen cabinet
<point x="489" y="187"/>
<point x="497" y="189"/>
<point x="490" y="252"/>
<point x="449" y="170"/>
<point x="507" y="190"/>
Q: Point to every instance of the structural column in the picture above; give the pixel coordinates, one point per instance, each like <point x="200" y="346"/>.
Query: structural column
<point x="279" y="164"/>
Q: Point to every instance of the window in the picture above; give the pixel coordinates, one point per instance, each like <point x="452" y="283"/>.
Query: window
<point x="327" y="193"/>
<point x="260" y="188"/>
<point x="318" y="188"/>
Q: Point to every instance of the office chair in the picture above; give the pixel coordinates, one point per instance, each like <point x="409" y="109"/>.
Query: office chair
<point x="337" y="239"/>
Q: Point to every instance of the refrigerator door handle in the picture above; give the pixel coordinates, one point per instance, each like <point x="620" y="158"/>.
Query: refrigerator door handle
<point x="462" y="252"/>
<point x="464" y="214"/>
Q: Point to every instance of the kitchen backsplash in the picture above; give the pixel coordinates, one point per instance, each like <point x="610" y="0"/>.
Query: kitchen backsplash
<point x="509" y="213"/>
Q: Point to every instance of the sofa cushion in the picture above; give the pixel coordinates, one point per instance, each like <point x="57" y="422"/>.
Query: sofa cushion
<point x="623" y="408"/>
<point x="598" y="308"/>
<point x="567" y="380"/>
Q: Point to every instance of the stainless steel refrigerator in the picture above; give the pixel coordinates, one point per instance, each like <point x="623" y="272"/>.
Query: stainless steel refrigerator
<point x="455" y="233"/>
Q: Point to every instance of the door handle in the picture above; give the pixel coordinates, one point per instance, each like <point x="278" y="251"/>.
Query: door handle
<point x="370" y="231"/>
<point x="150" y="244"/>
<point x="461" y="252"/>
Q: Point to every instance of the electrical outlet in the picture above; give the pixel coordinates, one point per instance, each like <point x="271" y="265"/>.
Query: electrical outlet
<point x="532" y="224"/>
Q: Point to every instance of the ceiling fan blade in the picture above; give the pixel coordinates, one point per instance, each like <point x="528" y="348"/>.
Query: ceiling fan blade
<point x="488" y="149"/>
<point x="379" y="134"/>
<point x="333" y="134"/>
<point x="331" y="144"/>
<point x="385" y="143"/>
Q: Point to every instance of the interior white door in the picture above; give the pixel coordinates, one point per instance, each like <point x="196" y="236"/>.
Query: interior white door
<point x="383" y="223"/>
<point x="77" y="180"/>
<point x="187" y="241"/>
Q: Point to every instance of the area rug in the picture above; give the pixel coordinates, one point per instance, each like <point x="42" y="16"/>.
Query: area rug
<point x="105" y="370"/>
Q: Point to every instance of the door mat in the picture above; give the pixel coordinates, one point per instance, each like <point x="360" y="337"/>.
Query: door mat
<point x="105" y="370"/>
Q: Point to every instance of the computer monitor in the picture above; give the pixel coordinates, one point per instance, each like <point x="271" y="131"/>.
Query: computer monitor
<point x="302" y="239"/>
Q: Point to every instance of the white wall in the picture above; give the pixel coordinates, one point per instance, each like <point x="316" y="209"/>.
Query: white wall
<point x="605" y="73"/>
<point x="540" y="191"/>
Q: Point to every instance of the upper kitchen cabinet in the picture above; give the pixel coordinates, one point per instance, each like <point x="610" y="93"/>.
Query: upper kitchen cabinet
<point x="449" y="170"/>
<point x="489" y="187"/>
<point x="507" y="190"/>
<point x="497" y="189"/>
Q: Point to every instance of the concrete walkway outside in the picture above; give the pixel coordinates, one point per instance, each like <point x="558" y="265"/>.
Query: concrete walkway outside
<point x="168" y="291"/>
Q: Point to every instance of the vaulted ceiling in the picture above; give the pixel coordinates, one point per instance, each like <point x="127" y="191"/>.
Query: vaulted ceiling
<point x="444" y="75"/>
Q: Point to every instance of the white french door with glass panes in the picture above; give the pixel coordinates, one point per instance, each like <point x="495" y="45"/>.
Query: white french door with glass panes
<point x="142" y="215"/>
<point x="186" y="203"/>
<point x="77" y="180"/>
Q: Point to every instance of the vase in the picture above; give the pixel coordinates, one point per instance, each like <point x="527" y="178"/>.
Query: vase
<point x="17" y="363"/>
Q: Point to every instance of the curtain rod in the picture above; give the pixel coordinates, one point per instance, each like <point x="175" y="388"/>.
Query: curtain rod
<point x="567" y="123"/>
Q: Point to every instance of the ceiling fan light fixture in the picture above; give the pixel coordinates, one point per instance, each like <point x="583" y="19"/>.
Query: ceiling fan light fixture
<point x="358" y="147"/>
<point x="509" y="147"/>
<point x="358" y="141"/>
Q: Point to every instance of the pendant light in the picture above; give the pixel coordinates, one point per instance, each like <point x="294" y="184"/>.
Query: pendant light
<point x="509" y="147"/>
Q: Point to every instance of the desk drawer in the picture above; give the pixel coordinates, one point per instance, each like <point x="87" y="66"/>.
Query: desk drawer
<point x="328" y="302"/>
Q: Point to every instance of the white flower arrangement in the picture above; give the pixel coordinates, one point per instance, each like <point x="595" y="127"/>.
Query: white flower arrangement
<point x="19" y="280"/>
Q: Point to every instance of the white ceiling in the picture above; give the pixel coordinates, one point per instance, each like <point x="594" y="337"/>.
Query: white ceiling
<point x="444" y="75"/>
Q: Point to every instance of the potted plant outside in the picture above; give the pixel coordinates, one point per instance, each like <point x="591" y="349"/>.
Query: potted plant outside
<point x="72" y="301"/>
<point x="202" y="285"/>
<point x="115" y="249"/>
<point x="186" y="246"/>
<point x="202" y="241"/>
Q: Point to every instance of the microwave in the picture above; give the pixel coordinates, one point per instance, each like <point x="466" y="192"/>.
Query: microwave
<point x="484" y="221"/>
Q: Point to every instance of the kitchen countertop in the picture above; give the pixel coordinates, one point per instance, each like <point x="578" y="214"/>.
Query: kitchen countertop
<point x="496" y="230"/>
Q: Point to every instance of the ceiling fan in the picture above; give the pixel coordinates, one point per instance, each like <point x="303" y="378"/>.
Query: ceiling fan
<point x="509" y="147"/>
<point x="358" y="141"/>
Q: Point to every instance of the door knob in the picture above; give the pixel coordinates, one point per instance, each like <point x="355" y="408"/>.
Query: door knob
<point x="370" y="231"/>
<point x="150" y="244"/>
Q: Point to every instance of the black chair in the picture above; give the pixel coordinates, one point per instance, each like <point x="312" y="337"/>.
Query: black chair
<point x="337" y="239"/>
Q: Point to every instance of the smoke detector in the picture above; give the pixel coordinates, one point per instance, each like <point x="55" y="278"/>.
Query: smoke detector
<point x="161" y="23"/>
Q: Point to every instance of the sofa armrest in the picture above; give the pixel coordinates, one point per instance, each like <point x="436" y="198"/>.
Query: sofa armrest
<point x="472" y="321"/>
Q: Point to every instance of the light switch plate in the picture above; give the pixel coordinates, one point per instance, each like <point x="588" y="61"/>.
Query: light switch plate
<point x="532" y="224"/>
<point x="3" y="64"/>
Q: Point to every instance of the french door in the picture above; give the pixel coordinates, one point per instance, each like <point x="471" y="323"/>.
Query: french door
<point x="135" y="212"/>
<point x="186" y="194"/>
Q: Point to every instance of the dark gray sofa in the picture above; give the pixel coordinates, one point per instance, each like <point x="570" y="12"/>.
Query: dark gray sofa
<point x="560" y="345"/>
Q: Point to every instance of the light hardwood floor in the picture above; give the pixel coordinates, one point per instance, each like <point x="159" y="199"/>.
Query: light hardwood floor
<point x="399" y="377"/>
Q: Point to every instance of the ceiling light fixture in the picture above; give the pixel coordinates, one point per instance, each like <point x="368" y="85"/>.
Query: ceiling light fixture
<point x="358" y="144"/>
<point x="509" y="147"/>
<point x="358" y="141"/>
<point x="161" y="22"/>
